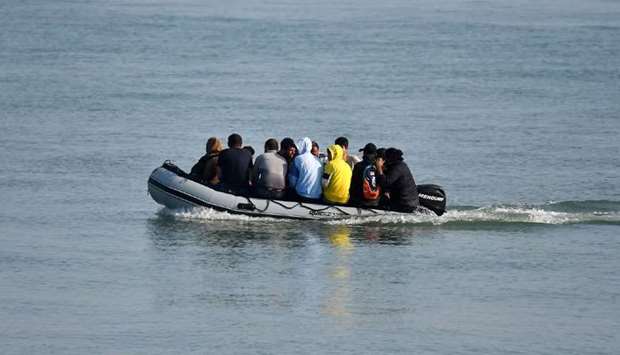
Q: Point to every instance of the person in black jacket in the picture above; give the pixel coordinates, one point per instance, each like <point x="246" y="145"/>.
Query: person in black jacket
<point x="205" y="170"/>
<point x="234" y="166"/>
<point x="365" y="190"/>
<point x="396" y="180"/>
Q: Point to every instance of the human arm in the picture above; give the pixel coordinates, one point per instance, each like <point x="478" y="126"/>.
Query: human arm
<point x="379" y="164"/>
<point x="254" y="173"/>
<point x="382" y="178"/>
<point x="197" y="169"/>
<point x="326" y="176"/>
<point x="325" y="180"/>
<point x="293" y="175"/>
<point x="250" y="172"/>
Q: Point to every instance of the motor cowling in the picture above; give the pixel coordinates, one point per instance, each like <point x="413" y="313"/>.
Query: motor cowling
<point x="432" y="197"/>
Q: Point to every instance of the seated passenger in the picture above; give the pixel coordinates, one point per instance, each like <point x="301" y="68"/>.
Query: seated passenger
<point x="269" y="172"/>
<point x="396" y="180"/>
<point x="305" y="173"/>
<point x="336" y="176"/>
<point x="350" y="159"/>
<point x="381" y="153"/>
<point x="205" y="170"/>
<point x="364" y="190"/>
<point x="288" y="150"/>
<point x="317" y="153"/>
<point x="250" y="150"/>
<point x="315" y="149"/>
<point x="234" y="167"/>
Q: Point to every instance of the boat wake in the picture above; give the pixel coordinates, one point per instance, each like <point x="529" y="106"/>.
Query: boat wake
<point x="495" y="215"/>
<point x="552" y="213"/>
<point x="201" y="214"/>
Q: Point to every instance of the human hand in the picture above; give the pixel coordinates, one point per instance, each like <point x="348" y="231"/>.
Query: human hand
<point x="379" y="164"/>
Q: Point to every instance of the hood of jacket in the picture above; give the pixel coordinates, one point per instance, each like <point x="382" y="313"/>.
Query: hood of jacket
<point x="336" y="151"/>
<point x="304" y="145"/>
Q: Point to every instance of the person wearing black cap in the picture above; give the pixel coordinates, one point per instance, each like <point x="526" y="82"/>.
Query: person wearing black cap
<point x="364" y="190"/>
<point x="394" y="176"/>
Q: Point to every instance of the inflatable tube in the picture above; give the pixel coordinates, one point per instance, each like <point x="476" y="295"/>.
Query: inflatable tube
<point x="170" y="186"/>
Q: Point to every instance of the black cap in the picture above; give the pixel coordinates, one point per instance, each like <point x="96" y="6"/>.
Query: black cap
<point x="369" y="149"/>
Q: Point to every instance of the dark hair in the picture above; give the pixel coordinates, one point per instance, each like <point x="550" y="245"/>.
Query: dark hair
<point x="271" y="144"/>
<point x="381" y="153"/>
<point x="234" y="140"/>
<point x="393" y="155"/>
<point x="249" y="149"/>
<point x="315" y="144"/>
<point x="343" y="142"/>
<point x="286" y="143"/>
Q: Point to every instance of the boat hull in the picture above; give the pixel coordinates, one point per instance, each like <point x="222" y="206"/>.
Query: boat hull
<point x="176" y="191"/>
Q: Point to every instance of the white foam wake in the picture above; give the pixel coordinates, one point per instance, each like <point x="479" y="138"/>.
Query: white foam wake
<point x="496" y="214"/>
<point x="200" y="214"/>
<point x="492" y="215"/>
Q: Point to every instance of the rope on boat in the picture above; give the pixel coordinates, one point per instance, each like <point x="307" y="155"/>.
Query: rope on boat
<point x="295" y="205"/>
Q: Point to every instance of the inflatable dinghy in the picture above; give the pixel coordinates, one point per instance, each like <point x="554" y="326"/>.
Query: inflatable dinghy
<point x="170" y="186"/>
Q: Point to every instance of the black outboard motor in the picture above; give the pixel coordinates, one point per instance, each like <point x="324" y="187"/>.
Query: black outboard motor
<point x="432" y="197"/>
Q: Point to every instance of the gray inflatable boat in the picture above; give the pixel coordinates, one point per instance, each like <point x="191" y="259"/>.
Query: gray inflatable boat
<point x="170" y="186"/>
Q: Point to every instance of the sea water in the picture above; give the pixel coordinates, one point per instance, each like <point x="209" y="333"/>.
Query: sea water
<point x="512" y="106"/>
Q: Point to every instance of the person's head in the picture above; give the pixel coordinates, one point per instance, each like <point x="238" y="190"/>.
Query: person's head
<point x="304" y="146"/>
<point x="249" y="149"/>
<point x="335" y="152"/>
<point x="235" y="141"/>
<point x="381" y="153"/>
<point x="288" y="147"/>
<point x="343" y="142"/>
<point x="214" y="145"/>
<point x="315" y="149"/>
<point x="271" y="144"/>
<point x="370" y="151"/>
<point x="393" y="155"/>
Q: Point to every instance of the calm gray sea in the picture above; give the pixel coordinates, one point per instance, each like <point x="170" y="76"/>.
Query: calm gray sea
<point x="512" y="106"/>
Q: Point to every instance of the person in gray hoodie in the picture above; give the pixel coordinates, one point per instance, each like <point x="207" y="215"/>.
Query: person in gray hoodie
<point x="269" y="173"/>
<point x="306" y="173"/>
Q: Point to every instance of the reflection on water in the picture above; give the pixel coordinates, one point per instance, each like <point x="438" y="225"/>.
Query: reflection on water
<point x="169" y="229"/>
<point x="166" y="230"/>
<point x="341" y="237"/>
<point x="339" y="295"/>
<point x="282" y="266"/>
<point x="331" y="279"/>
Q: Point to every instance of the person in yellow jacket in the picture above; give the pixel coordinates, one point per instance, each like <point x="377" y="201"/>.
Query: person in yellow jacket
<point x="336" y="176"/>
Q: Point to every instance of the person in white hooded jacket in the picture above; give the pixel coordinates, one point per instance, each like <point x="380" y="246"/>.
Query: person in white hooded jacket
<point x="306" y="172"/>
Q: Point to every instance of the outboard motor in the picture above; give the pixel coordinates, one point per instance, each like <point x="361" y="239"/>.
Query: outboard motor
<point x="432" y="197"/>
